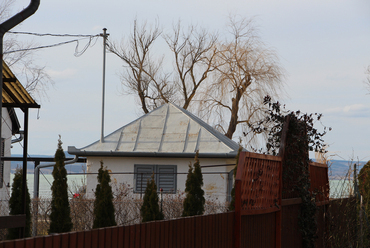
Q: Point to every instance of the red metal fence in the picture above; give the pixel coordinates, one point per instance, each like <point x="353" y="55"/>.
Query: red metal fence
<point x="261" y="218"/>
<point x="200" y="231"/>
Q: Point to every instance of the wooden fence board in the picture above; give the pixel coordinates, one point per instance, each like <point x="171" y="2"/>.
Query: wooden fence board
<point x="94" y="238"/>
<point x="56" y="241"/>
<point x="9" y="244"/>
<point x="121" y="235"/>
<point x="72" y="240"/>
<point x="161" y="234"/>
<point x="143" y="235"/>
<point x="101" y="237"/>
<point x="80" y="239"/>
<point x="39" y="242"/>
<point x="108" y="237"/>
<point x="148" y="235"/>
<point x="88" y="239"/>
<point x="171" y="234"/>
<point x="153" y="234"/>
<point x="127" y="237"/>
<point x="165" y="234"/>
<point x="21" y="244"/>
<point x="136" y="236"/>
<point x="198" y="234"/>
<point x="65" y="240"/>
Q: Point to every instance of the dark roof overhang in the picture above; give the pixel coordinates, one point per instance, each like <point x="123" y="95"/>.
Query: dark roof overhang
<point x="74" y="151"/>
<point x="14" y="94"/>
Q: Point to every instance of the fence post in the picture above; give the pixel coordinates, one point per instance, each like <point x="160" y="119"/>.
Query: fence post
<point x="238" y="200"/>
<point x="238" y="216"/>
<point x="282" y="155"/>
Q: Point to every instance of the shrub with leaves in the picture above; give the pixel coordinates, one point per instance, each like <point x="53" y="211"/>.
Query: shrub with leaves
<point x="103" y="205"/>
<point x="302" y="137"/>
<point x="194" y="200"/>
<point x="60" y="219"/>
<point x="15" y="205"/>
<point x="150" y="208"/>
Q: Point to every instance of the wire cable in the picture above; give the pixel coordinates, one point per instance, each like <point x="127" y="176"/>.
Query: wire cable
<point x="55" y="35"/>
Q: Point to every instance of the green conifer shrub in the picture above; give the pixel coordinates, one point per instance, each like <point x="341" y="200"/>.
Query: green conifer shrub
<point x="60" y="219"/>
<point x="104" y="213"/>
<point x="15" y="205"/>
<point x="150" y="208"/>
<point x="194" y="200"/>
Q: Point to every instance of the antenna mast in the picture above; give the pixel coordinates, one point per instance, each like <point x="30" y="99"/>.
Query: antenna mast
<point x="104" y="35"/>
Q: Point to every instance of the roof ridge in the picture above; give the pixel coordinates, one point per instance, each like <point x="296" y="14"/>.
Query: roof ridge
<point x="229" y="142"/>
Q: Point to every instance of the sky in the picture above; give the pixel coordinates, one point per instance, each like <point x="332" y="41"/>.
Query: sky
<point x="322" y="45"/>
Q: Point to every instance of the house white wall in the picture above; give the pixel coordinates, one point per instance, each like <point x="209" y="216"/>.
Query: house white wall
<point x="215" y="185"/>
<point x="6" y="133"/>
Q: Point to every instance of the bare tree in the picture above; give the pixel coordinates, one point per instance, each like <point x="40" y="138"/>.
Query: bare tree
<point x="142" y="75"/>
<point x="247" y="71"/>
<point x="227" y="80"/>
<point x="194" y="52"/>
<point x="35" y="78"/>
<point x="146" y="76"/>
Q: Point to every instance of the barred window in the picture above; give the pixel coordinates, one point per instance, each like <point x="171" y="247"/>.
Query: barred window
<point x="165" y="177"/>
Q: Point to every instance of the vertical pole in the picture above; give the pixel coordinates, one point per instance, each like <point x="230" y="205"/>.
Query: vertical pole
<point x="24" y="180"/>
<point x="1" y="87"/>
<point x="238" y="216"/>
<point x="105" y="35"/>
<point x="141" y="185"/>
<point x="238" y="201"/>
<point x="35" y="203"/>
<point x="279" y="214"/>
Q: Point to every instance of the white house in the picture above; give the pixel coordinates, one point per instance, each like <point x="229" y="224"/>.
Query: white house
<point x="10" y="126"/>
<point x="163" y="142"/>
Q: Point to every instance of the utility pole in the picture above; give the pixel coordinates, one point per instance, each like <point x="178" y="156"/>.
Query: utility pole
<point x="104" y="35"/>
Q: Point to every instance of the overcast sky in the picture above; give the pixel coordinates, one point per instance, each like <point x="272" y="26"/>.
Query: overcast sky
<point x="323" y="46"/>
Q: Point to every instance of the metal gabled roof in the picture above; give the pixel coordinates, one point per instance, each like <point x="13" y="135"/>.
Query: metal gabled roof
<point x="168" y="131"/>
<point x="14" y="94"/>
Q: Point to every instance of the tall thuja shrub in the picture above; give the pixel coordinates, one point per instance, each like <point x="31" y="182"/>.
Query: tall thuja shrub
<point x="150" y="208"/>
<point x="103" y="205"/>
<point x="15" y="205"/>
<point x="60" y="219"/>
<point x="232" y="202"/>
<point x="194" y="200"/>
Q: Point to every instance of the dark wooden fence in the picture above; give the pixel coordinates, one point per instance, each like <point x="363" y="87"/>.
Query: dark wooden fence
<point x="262" y="218"/>
<point x="200" y="231"/>
<point x="266" y="218"/>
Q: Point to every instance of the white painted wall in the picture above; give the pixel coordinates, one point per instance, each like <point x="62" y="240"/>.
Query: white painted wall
<point x="215" y="185"/>
<point x="6" y="133"/>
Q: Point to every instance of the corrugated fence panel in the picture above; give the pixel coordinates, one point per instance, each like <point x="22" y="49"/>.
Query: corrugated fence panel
<point x="258" y="230"/>
<point x="290" y="231"/>
<point x="319" y="181"/>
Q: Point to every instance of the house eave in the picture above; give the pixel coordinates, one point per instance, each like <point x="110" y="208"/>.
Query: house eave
<point x="74" y="151"/>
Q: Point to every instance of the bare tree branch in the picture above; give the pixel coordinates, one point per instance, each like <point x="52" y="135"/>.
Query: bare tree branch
<point x="143" y="74"/>
<point x="35" y="78"/>
<point x="194" y="52"/>
<point x="246" y="71"/>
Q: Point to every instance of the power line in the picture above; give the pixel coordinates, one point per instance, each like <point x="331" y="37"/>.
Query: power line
<point x="77" y="52"/>
<point x="56" y="35"/>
